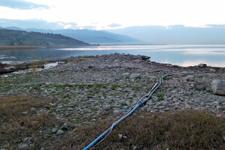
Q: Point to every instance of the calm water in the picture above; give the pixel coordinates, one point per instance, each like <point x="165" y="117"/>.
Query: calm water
<point x="184" y="55"/>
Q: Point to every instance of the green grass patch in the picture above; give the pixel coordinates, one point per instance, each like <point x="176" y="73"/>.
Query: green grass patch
<point x="160" y="95"/>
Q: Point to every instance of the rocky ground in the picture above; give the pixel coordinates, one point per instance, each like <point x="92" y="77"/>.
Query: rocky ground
<point x="81" y="91"/>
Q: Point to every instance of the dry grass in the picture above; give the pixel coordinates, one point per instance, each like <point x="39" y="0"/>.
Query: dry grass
<point x="180" y="130"/>
<point x="18" y="120"/>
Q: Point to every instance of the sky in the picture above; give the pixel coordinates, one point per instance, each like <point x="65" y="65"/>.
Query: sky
<point x="102" y="14"/>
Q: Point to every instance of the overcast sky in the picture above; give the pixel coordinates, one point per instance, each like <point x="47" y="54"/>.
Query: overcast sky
<point x="105" y="13"/>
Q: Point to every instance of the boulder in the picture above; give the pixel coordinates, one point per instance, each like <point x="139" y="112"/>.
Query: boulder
<point x="218" y="87"/>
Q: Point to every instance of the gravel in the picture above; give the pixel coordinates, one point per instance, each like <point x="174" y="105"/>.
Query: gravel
<point x="87" y="89"/>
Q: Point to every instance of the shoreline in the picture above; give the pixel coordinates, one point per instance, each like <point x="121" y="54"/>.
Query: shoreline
<point x="37" y="47"/>
<point x="38" y="64"/>
<point x="18" y="47"/>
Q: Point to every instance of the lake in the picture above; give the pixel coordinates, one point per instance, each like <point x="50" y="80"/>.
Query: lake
<point x="183" y="55"/>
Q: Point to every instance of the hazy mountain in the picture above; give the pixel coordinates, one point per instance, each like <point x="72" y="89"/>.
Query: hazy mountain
<point x="212" y="34"/>
<point x="93" y="36"/>
<point x="87" y="35"/>
<point x="23" y="38"/>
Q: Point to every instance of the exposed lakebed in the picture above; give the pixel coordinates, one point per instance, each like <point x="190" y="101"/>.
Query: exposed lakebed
<point x="82" y="91"/>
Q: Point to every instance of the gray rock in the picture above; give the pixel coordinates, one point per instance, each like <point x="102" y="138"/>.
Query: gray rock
<point x="120" y="136"/>
<point x="116" y="111"/>
<point x="67" y="126"/>
<point x="200" y="86"/>
<point x="212" y="70"/>
<point x="218" y="87"/>
<point x="60" y="132"/>
<point x="23" y="146"/>
<point x="134" y="147"/>
<point x="189" y="78"/>
<point x="25" y="113"/>
<point x="145" y="58"/>
<point x="54" y="130"/>
<point x="135" y="76"/>
<point x="202" y="65"/>
<point x="126" y="74"/>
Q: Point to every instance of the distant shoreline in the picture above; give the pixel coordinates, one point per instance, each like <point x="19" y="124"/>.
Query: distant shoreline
<point x="18" y="47"/>
<point x="35" y="47"/>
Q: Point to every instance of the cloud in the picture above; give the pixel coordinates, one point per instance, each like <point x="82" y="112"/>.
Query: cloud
<point x="21" y="4"/>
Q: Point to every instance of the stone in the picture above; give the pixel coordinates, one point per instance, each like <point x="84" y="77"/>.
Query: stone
<point x="218" y="87"/>
<point x="33" y="110"/>
<point x="67" y="126"/>
<point x="189" y="78"/>
<point x="120" y="136"/>
<point x="135" y="76"/>
<point x="117" y="111"/>
<point x="60" y="132"/>
<point x="202" y="65"/>
<point x="145" y="58"/>
<point x="23" y="146"/>
<point x="126" y="74"/>
<point x="54" y="130"/>
<point x="200" y="86"/>
<point x="25" y="113"/>
<point x="212" y="70"/>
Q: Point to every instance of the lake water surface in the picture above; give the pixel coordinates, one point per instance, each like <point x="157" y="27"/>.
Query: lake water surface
<point x="184" y="55"/>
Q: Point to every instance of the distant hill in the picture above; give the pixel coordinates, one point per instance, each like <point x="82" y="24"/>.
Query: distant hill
<point x="23" y="38"/>
<point x="212" y="34"/>
<point x="93" y="36"/>
<point x="101" y="37"/>
<point x="86" y="35"/>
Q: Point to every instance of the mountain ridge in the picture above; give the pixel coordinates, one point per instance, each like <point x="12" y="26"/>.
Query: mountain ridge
<point x="36" y="39"/>
<point x="92" y="36"/>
